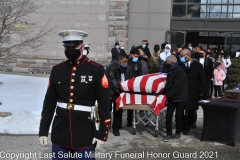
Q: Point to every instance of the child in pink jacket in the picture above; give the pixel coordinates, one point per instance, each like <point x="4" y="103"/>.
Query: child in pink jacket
<point x="219" y="76"/>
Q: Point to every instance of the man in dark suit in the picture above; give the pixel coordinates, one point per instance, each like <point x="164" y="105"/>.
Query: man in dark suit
<point x="207" y="63"/>
<point x="196" y="85"/>
<point x="208" y="69"/>
<point x="116" y="51"/>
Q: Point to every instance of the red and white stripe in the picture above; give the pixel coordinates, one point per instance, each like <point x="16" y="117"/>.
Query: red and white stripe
<point x="150" y="83"/>
<point x="157" y="102"/>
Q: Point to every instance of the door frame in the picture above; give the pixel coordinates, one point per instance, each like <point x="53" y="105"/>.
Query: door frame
<point x="168" y="35"/>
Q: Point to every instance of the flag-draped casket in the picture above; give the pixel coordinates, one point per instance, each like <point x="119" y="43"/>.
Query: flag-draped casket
<point x="146" y="89"/>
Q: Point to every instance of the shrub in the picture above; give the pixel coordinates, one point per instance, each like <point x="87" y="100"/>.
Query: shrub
<point x="233" y="74"/>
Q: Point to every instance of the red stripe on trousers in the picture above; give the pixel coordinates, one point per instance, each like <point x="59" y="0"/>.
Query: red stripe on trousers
<point x="70" y="127"/>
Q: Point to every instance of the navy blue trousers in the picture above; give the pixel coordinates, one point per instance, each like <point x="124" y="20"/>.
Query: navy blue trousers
<point x="69" y="154"/>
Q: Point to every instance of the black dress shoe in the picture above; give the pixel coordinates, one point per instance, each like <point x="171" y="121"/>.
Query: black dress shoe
<point x="116" y="133"/>
<point x="167" y="138"/>
<point x="185" y="132"/>
<point x="194" y="125"/>
<point x="177" y="136"/>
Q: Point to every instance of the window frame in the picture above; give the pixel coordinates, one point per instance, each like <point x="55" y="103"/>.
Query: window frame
<point x="226" y="13"/>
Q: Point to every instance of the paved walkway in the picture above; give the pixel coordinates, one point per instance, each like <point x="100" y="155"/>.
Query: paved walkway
<point x="143" y="145"/>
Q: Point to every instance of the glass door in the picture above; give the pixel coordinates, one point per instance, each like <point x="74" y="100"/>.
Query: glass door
<point x="232" y="44"/>
<point x="175" y="38"/>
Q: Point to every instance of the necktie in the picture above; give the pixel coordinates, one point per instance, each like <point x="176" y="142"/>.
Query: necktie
<point x="187" y="65"/>
<point x="118" y="50"/>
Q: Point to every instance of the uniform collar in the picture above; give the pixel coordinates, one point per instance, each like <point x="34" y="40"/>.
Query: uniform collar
<point x="81" y="59"/>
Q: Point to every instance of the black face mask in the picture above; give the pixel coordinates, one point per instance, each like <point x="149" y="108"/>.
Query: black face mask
<point x="201" y="55"/>
<point x="167" y="66"/>
<point x="72" y="54"/>
<point x="140" y="58"/>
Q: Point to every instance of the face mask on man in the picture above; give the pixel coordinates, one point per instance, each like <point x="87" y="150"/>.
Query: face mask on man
<point x="183" y="59"/>
<point x="201" y="55"/>
<point x="122" y="47"/>
<point x="124" y="65"/>
<point x="143" y="45"/>
<point x="117" y="47"/>
<point x="167" y="66"/>
<point x="135" y="59"/>
<point x="72" y="54"/>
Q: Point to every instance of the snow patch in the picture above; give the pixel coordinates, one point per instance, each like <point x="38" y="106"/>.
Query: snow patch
<point x="20" y="123"/>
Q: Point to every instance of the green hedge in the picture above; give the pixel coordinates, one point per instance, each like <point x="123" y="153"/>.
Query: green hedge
<point x="233" y="74"/>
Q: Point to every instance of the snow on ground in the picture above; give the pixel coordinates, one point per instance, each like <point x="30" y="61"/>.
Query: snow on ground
<point x="22" y="96"/>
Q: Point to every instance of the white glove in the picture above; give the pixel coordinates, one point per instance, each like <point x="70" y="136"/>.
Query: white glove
<point x="85" y="52"/>
<point x="99" y="142"/>
<point x="43" y="141"/>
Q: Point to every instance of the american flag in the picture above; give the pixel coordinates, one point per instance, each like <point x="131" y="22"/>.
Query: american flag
<point x="146" y="89"/>
<point x="150" y="83"/>
<point x="157" y="102"/>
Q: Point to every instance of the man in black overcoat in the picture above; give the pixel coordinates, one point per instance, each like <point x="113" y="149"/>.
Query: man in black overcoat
<point x="116" y="51"/>
<point x="196" y="85"/>
<point x="115" y="73"/>
<point x="176" y="92"/>
<point x="208" y="69"/>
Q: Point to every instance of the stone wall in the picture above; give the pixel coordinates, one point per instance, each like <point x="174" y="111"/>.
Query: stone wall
<point x="90" y="16"/>
<point x="118" y="23"/>
<point x="18" y="64"/>
<point x="106" y="21"/>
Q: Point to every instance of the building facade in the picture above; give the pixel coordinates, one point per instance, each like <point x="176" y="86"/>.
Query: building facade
<point x="210" y="23"/>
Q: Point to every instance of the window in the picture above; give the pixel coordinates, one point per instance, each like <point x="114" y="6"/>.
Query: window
<point x="206" y="8"/>
<point x="179" y="10"/>
<point x="179" y="1"/>
<point x="194" y="1"/>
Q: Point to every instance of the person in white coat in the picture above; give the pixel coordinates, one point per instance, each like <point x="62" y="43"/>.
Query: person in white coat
<point x="162" y="58"/>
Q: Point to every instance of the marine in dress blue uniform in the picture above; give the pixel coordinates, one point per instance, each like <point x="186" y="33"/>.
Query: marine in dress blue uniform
<point x="74" y="86"/>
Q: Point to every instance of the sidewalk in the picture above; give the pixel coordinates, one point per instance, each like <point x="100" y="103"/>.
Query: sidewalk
<point x="143" y="145"/>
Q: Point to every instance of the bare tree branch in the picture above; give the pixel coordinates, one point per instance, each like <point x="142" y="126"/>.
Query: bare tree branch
<point x="17" y="33"/>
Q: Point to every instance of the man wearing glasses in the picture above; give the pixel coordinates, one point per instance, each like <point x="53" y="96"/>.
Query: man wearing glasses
<point x="196" y="85"/>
